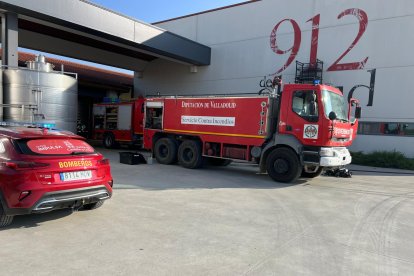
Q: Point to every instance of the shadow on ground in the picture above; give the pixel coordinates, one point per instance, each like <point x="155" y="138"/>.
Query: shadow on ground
<point x="34" y="220"/>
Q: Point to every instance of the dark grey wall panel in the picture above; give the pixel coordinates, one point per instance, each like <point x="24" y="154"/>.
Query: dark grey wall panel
<point x="81" y="18"/>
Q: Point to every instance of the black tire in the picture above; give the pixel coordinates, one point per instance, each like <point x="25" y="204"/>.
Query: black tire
<point x="109" y="141"/>
<point x="312" y="175"/>
<point x="189" y="154"/>
<point x="283" y="165"/>
<point x="219" y="162"/>
<point x="4" y="219"/>
<point x="92" y="206"/>
<point x="165" y="151"/>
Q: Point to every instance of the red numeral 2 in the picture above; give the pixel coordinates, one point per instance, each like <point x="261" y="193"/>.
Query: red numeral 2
<point x="363" y="23"/>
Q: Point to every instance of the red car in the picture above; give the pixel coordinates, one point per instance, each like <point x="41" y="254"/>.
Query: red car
<point x="43" y="170"/>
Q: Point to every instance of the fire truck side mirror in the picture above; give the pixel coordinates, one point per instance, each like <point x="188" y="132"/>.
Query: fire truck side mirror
<point x="358" y="110"/>
<point x="332" y="115"/>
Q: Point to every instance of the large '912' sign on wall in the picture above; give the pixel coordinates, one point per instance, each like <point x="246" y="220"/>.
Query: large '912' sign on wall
<point x="337" y="65"/>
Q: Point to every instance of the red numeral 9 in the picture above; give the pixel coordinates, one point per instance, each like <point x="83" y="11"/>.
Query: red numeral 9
<point x="295" y="47"/>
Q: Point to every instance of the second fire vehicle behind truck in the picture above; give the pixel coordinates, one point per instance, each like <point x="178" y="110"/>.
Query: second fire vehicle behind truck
<point x="299" y="131"/>
<point x="116" y="123"/>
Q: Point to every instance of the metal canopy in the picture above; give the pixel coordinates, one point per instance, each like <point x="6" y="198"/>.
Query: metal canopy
<point x="83" y="30"/>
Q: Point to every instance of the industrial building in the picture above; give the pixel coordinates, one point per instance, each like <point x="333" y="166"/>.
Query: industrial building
<point x="253" y="41"/>
<point x="237" y="49"/>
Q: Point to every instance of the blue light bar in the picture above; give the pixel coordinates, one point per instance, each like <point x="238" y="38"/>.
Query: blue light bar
<point x="29" y="124"/>
<point x="46" y="125"/>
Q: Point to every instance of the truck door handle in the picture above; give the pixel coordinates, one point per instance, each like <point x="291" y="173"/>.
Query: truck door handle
<point x="288" y="128"/>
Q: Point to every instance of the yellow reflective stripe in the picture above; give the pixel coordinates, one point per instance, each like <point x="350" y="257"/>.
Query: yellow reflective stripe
<point x="214" y="133"/>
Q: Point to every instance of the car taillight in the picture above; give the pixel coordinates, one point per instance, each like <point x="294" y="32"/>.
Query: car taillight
<point x="104" y="161"/>
<point x="23" y="165"/>
<point x="102" y="169"/>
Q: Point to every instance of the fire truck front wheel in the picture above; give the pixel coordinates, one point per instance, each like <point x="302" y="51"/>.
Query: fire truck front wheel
<point x="312" y="174"/>
<point x="189" y="154"/>
<point x="165" y="151"/>
<point x="283" y="165"/>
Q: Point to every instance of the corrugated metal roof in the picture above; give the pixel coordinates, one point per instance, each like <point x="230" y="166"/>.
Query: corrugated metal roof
<point x="86" y="73"/>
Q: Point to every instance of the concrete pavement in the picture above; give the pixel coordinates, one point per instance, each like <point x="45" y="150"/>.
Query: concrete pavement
<point x="166" y="220"/>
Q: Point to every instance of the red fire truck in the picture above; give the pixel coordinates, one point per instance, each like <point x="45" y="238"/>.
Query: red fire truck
<point x="116" y="123"/>
<point x="298" y="131"/>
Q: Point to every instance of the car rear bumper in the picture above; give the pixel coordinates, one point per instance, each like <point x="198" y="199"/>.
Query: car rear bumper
<point x="64" y="199"/>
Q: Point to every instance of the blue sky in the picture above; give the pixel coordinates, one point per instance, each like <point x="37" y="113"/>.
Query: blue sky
<point x="157" y="10"/>
<point x="151" y="11"/>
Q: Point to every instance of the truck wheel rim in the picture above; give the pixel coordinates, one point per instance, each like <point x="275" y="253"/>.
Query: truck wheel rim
<point x="188" y="155"/>
<point x="163" y="151"/>
<point x="281" y="166"/>
<point x="108" y="141"/>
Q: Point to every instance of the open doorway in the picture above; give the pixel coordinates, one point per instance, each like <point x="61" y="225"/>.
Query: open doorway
<point x="153" y="117"/>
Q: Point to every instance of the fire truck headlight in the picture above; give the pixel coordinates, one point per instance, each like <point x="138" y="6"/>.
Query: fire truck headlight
<point x="326" y="152"/>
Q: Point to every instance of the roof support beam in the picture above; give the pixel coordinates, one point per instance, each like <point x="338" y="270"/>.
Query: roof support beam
<point x="10" y="39"/>
<point x="104" y="28"/>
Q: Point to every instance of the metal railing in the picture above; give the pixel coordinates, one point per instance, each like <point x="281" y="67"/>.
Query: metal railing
<point x="75" y="75"/>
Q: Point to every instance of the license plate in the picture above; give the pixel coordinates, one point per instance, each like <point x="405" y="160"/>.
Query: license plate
<point x="80" y="175"/>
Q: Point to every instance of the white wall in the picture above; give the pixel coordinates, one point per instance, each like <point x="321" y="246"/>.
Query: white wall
<point x="369" y="143"/>
<point x="242" y="56"/>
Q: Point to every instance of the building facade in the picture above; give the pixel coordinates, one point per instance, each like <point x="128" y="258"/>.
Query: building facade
<point x="253" y="41"/>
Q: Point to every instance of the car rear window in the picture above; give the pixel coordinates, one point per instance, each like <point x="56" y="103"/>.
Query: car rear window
<point x="55" y="146"/>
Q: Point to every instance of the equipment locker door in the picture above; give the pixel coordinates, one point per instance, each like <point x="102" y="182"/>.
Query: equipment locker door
<point x="154" y="112"/>
<point x="124" y="117"/>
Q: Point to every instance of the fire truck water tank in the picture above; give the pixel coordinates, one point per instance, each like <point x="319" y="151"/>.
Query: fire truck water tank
<point x="40" y="94"/>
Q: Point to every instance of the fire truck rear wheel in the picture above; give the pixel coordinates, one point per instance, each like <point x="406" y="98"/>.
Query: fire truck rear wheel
<point x="109" y="141"/>
<point x="283" y="165"/>
<point x="189" y="154"/>
<point x="165" y="151"/>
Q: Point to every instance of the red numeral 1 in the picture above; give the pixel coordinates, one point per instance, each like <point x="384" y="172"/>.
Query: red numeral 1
<point x="314" y="39"/>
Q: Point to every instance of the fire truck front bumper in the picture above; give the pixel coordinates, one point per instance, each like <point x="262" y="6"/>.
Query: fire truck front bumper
<point x="334" y="157"/>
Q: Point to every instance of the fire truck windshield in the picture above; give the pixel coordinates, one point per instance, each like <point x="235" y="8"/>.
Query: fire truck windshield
<point x="334" y="102"/>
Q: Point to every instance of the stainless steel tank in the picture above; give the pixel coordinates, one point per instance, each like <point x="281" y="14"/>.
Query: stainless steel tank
<point x="40" y="94"/>
<point x="39" y="64"/>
